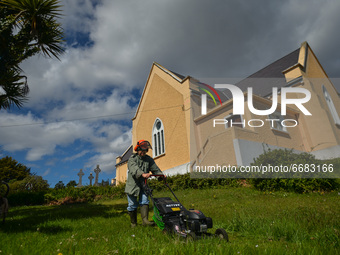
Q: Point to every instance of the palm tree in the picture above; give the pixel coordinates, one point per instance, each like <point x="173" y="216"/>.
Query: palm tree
<point x="27" y="27"/>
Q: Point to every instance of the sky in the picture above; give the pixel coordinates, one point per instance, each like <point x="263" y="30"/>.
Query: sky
<point x="79" y="110"/>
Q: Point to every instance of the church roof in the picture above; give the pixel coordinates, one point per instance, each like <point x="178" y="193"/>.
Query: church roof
<point x="261" y="81"/>
<point x="126" y="155"/>
<point x="270" y="76"/>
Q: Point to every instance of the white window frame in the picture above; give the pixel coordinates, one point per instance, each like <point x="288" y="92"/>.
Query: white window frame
<point x="230" y="116"/>
<point x="330" y="105"/>
<point x="158" y="140"/>
<point x="276" y="125"/>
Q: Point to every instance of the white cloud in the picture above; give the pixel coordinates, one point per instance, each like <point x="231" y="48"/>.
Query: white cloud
<point x="120" y="143"/>
<point x="38" y="139"/>
<point x="47" y="172"/>
<point x="79" y="155"/>
<point x="26" y="133"/>
<point x="78" y="15"/>
<point x="2" y="91"/>
<point x="192" y="37"/>
<point x="106" y="161"/>
<point x="199" y="38"/>
<point x="115" y="106"/>
<point x="108" y="151"/>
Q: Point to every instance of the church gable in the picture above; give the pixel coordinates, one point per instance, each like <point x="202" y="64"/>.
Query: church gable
<point x="162" y="81"/>
<point x="161" y="117"/>
<point x="160" y="100"/>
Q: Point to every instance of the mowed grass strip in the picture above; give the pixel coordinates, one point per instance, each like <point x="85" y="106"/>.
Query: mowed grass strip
<point x="257" y="223"/>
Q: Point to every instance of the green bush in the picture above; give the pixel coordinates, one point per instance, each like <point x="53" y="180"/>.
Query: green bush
<point x="31" y="183"/>
<point x="184" y="181"/>
<point x="26" y="198"/>
<point x="286" y="157"/>
<point x="295" y="185"/>
<point x="84" y="194"/>
<point x="180" y="182"/>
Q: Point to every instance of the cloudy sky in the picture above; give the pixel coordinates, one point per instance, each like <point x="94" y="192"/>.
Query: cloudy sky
<point x="80" y="108"/>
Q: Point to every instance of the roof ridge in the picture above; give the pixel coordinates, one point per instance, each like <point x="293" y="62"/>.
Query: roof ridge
<point x="171" y="73"/>
<point x="128" y="148"/>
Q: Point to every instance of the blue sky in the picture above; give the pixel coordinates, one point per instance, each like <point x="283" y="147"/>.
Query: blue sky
<point x="80" y="108"/>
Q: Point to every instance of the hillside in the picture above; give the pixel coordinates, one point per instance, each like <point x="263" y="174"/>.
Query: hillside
<point x="257" y="223"/>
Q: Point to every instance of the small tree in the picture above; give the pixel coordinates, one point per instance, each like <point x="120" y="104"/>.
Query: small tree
<point x="59" y="185"/>
<point x="30" y="183"/>
<point x="71" y="184"/>
<point x="12" y="170"/>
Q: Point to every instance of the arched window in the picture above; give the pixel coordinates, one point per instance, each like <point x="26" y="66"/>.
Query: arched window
<point x="158" y="138"/>
<point x="331" y="105"/>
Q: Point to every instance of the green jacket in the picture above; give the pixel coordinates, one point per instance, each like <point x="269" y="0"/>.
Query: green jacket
<point x="136" y="167"/>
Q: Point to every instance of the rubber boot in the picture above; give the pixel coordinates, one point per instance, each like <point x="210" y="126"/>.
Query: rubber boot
<point x="144" y="211"/>
<point x="133" y="218"/>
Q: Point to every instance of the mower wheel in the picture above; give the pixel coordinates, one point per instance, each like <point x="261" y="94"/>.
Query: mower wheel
<point x="222" y="234"/>
<point x="192" y="236"/>
<point x="166" y="230"/>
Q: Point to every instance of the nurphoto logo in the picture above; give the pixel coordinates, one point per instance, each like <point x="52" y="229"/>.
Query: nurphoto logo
<point x="238" y="104"/>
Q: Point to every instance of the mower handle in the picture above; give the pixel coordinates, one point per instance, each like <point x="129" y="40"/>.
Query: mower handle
<point x="165" y="183"/>
<point x="147" y="188"/>
<point x="155" y="175"/>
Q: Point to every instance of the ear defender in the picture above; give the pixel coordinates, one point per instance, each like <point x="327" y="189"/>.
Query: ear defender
<point x="142" y="145"/>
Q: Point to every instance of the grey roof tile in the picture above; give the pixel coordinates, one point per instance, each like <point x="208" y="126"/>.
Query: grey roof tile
<point x="126" y="156"/>
<point x="270" y="76"/>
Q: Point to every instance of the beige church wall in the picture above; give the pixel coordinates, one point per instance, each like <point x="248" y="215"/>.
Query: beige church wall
<point x="319" y="130"/>
<point x="161" y="100"/>
<point x="121" y="173"/>
<point x="318" y="78"/>
<point x="290" y="139"/>
<point x="218" y="149"/>
<point x="293" y="74"/>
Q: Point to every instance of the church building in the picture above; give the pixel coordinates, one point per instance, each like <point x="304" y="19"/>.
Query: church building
<point x="189" y="122"/>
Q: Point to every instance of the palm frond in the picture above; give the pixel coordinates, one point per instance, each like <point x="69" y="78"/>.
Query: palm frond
<point x="40" y="17"/>
<point x="14" y="90"/>
<point x="27" y="27"/>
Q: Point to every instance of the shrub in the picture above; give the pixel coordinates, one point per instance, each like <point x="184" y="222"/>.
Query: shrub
<point x="83" y="194"/>
<point x="26" y="198"/>
<point x="286" y="157"/>
<point x="184" y="181"/>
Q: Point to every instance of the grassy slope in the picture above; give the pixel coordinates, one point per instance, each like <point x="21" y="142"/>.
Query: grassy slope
<point x="257" y="223"/>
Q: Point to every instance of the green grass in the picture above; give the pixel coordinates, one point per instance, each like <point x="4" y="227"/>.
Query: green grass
<point x="257" y="223"/>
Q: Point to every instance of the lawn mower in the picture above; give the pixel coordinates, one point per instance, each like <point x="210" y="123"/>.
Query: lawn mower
<point x="172" y="217"/>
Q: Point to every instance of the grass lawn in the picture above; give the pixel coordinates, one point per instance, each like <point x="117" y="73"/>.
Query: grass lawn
<point x="257" y="223"/>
